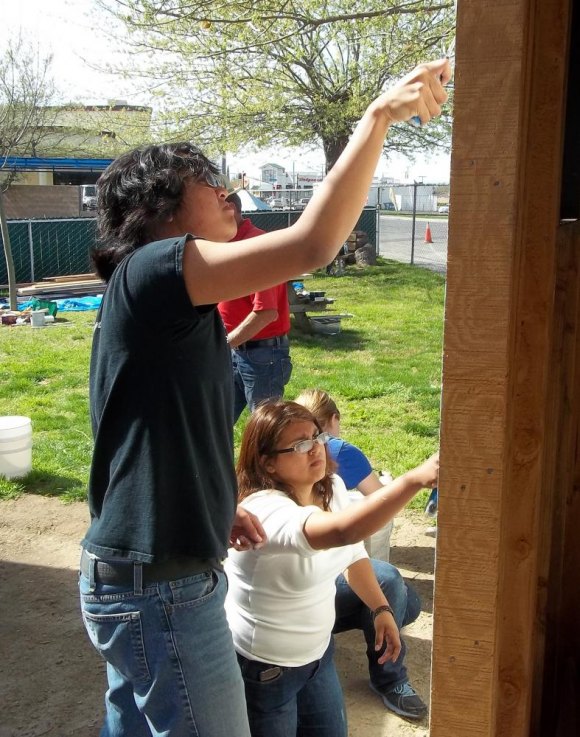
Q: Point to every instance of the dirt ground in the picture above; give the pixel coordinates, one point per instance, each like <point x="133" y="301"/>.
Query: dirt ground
<point x="51" y="680"/>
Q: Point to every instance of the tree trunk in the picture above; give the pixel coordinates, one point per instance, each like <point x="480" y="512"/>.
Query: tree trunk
<point x="333" y="148"/>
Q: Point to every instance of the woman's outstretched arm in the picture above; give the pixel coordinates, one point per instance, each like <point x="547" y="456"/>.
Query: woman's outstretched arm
<point x="358" y="521"/>
<point x="221" y="271"/>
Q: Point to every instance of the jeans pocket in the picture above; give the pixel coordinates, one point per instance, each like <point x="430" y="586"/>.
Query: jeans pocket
<point x="286" y="365"/>
<point x="119" y="639"/>
<point x="260" y="358"/>
<point x="193" y="591"/>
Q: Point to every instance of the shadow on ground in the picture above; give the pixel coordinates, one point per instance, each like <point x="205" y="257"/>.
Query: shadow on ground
<point x="51" y="680"/>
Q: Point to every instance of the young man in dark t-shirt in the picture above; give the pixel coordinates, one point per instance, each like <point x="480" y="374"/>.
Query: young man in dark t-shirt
<point x="162" y="491"/>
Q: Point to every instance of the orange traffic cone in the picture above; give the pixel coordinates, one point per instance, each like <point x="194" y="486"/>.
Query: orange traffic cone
<point x="428" y="237"/>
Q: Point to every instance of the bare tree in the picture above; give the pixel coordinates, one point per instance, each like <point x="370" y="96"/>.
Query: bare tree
<point x="26" y="89"/>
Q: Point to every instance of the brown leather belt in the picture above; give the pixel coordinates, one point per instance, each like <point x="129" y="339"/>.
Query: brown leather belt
<point x="118" y="573"/>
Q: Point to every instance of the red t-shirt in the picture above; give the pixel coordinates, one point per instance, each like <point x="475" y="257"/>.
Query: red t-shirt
<point x="234" y="311"/>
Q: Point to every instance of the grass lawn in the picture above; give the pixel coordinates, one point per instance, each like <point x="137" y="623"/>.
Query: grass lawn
<point x="383" y="370"/>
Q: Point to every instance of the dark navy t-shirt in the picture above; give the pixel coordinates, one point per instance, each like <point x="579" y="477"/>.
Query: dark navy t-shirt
<point x="162" y="480"/>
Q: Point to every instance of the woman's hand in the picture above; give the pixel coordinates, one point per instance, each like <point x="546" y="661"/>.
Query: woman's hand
<point x="247" y="531"/>
<point x="427" y="473"/>
<point x="420" y="93"/>
<point x="387" y="633"/>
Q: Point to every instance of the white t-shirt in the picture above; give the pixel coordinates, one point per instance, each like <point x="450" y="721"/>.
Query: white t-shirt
<point x="280" y="602"/>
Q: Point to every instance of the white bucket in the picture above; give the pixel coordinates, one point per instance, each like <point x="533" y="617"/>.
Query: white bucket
<point x="15" y="446"/>
<point x="37" y="319"/>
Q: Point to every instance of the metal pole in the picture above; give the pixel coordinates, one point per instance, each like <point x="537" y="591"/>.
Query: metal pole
<point x="378" y="224"/>
<point x="415" y="185"/>
<point x="8" y="255"/>
<point x="31" y="249"/>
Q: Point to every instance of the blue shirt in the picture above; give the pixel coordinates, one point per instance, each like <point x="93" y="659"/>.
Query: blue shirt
<point x="353" y="465"/>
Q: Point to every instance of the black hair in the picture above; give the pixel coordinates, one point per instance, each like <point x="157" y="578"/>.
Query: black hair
<point x="140" y="190"/>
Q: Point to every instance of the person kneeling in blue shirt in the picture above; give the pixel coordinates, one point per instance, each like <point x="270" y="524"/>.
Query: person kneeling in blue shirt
<point x="389" y="680"/>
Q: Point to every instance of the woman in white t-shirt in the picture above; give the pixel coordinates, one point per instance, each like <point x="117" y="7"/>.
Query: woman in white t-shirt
<point x="280" y="604"/>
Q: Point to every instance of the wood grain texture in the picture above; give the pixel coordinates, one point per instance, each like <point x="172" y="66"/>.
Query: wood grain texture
<point x="499" y="331"/>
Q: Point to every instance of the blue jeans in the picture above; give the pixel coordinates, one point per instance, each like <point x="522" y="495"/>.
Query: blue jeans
<point x="305" y="701"/>
<point x="171" y="664"/>
<point x="259" y="374"/>
<point x="351" y="614"/>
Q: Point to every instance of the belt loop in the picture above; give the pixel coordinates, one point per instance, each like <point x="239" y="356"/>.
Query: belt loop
<point x="138" y="578"/>
<point x="92" y="564"/>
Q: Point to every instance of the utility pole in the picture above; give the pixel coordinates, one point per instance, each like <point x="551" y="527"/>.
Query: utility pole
<point x="415" y="185"/>
<point x="8" y="254"/>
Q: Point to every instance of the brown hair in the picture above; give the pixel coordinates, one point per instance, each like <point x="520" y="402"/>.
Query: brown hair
<point x="320" y="404"/>
<point x="259" y="442"/>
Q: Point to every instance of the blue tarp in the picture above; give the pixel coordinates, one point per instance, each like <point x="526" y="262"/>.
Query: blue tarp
<point x="71" y="304"/>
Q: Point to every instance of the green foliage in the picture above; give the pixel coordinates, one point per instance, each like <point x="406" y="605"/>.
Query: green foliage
<point x="26" y="88"/>
<point x="383" y="370"/>
<point x="44" y="376"/>
<point x="270" y="73"/>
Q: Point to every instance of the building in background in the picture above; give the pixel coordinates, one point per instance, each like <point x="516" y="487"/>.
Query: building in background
<point x="71" y="149"/>
<point x="82" y="133"/>
<point x="414" y="197"/>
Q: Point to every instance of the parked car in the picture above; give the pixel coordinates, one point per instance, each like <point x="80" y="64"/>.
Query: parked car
<point x="278" y="203"/>
<point x="389" y="206"/>
<point x="89" y="196"/>
<point x="444" y="209"/>
<point x="302" y="202"/>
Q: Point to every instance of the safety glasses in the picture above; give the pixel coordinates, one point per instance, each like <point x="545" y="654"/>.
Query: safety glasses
<point x="305" y="446"/>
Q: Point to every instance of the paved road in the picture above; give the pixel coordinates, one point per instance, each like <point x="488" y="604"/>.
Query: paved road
<point x="396" y="240"/>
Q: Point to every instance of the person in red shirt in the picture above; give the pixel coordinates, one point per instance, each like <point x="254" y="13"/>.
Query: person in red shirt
<point x="257" y="327"/>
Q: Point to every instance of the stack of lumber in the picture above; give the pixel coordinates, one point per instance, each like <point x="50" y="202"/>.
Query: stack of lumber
<point x="61" y="287"/>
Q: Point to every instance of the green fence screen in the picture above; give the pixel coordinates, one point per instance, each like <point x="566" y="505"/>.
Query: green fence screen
<point x="45" y="248"/>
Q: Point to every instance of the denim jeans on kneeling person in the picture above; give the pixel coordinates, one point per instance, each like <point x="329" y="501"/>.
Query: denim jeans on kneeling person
<point x="171" y="664"/>
<point x="304" y="701"/>
<point x="351" y="614"/>
<point x="259" y="374"/>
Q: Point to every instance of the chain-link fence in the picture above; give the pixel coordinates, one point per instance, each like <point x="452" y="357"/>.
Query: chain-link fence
<point x="45" y="248"/>
<point x="276" y="220"/>
<point x="48" y="248"/>
<point x="412" y="224"/>
<point x="403" y="222"/>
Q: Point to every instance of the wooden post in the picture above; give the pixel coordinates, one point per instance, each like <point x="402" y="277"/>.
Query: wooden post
<point x="495" y="507"/>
